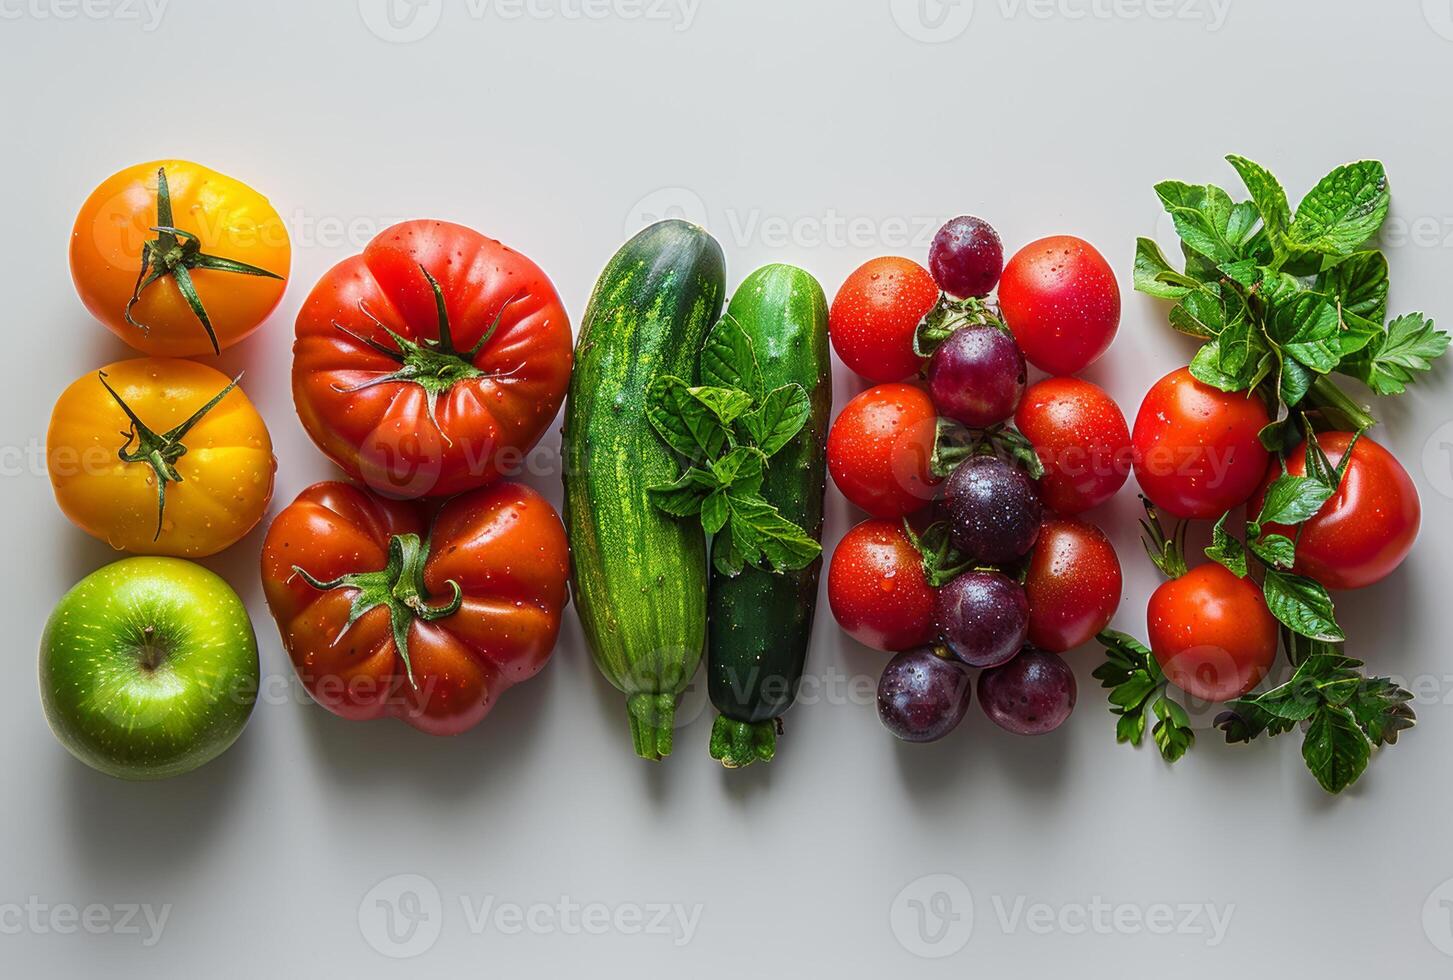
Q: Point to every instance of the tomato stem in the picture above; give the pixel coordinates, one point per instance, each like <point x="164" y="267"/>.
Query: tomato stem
<point x="174" y="253"/>
<point x="160" y="452"/>
<point x="398" y="586"/>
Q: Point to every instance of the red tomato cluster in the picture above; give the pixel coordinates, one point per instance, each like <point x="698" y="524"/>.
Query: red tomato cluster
<point x="916" y="579"/>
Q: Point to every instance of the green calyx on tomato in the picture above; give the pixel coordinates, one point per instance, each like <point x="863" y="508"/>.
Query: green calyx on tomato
<point x="159" y="451"/>
<point x="954" y="442"/>
<point x="950" y="314"/>
<point x="399" y="587"/>
<point x="174" y="253"/>
<point x="435" y="365"/>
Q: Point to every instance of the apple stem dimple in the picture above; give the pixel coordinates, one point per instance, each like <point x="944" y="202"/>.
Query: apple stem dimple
<point x="150" y="654"/>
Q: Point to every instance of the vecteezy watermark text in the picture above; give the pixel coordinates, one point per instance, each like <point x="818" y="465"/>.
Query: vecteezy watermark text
<point x="37" y="917"/>
<point x="147" y="13"/>
<point x="405" y="21"/>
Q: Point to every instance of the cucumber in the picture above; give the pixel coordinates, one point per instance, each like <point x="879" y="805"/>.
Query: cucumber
<point x="638" y="576"/>
<point x="759" y="622"/>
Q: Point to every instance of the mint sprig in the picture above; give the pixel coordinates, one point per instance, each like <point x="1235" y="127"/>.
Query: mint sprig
<point x="726" y="431"/>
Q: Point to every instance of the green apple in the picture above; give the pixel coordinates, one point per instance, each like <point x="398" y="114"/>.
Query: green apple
<point x="148" y="668"/>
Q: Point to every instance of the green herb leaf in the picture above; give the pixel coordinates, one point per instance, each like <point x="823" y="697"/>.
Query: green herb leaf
<point x="1381" y="709"/>
<point x="1277" y="550"/>
<point x="1293" y="499"/>
<point x="1227" y="549"/>
<point x="740" y="470"/>
<point x="1343" y="211"/>
<point x="683" y="422"/>
<point x="1199" y="314"/>
<point x="774" y="423"/>
<point x="1388" y="364"/>
<point x="759" y="530"/>
<point x="1335" y="749"/>
<point x="728" y="360"/>
<point x="1302" y="605"/>
<point x="727" y="404"/>
<point x="1267" y="194"/>
<point x="1135" y="682"/>
<point x="1359" y="285"/>
<point x="1207" y="220"/>
<point x="1172" y="732"/>
<point x="1244" y="721"/>
<point x="684" y="496"/>
<point x="1150" y="265"/>
<point x="714" y="512"/>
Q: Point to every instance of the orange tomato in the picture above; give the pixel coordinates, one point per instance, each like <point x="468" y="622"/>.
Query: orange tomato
<point x="179" y="260"/>
<point x="151" y="421"/>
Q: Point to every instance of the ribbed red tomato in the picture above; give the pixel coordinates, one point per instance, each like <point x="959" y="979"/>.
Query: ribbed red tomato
<point x="1074" y="584"/>
<point x="1212" y="633"/>
<point x="431" y="363"/>
<point x="877" y="589"/>
<point x="875" y="314"/>
<point x="1198" y="450"/>
<point x="880" y="447"/>
<point x="1369" y="526"/>
<point x="1060" y="298"/>
<point x="385" y="613"/>
<point x="1080" y="436"/>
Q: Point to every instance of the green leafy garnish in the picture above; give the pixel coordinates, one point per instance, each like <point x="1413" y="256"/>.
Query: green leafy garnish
<point x="727" y="431"/>
<point x="1136" y="682"/>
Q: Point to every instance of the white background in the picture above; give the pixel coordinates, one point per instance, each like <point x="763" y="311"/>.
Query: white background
<point x="558" y="133"/>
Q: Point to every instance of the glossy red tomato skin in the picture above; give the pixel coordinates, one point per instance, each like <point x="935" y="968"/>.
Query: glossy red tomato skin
<point x="382" y="434"/>
<point x="875" y="314"/>
<point x="1212" y="633"/>
<point x="880" y="447"/>
<point x="1198" y="451"/>
<point x="1074" y="584"/>
<point x="503" y="544"/>
<point x="1368" y="528"/>
<point x="877" y="590"/>
<point x="1080" y="436"/>
<point x="1060" y="298"/>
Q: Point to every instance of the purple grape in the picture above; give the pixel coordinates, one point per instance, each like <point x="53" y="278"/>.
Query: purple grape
<point x="994" y="512"/>
<point x="922" y="696"/>
<point x="983" y="617"/>
<point x="977" y="376"/>
<point x="1030" y="695"/>
<point x="966" y="257"/>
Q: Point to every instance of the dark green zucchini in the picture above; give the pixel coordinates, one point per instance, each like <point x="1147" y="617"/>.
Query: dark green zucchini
<point x="760" y="622"/>
<point x="638" y="575"/>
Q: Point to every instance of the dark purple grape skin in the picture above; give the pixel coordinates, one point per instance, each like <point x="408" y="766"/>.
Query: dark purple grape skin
<point x="966" y="257"/>
<point x="1030" y="695"/>
<point x="983" y="618"/>
<point x="993" y="509"/>
<point x="922" y="696"/>
<point x="977" y="376"/>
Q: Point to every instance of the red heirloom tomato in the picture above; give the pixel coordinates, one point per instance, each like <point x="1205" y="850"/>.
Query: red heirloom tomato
<point x="877" y="589"/>
<point x="1365" y="531"/>
<point x="875" y="314"/>
<point x="431" y="363"/>
<point x="1211" y="633"/>
<point x="1081" y="438"/>
<point x="880" y="448"/>
<point x="1073" y="584"/>
<point x="1198" y="451"/>
<point x="1060" y="298"/>
<point x="386" y="615"/>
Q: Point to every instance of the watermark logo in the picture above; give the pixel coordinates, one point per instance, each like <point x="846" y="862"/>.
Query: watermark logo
<point x="147" y="13"/>
<point x="1438" y="459"/>
<point x="680" y="203"/>
<point x="401" y="916"/>
<point x="933" y="21"/>
<point x="1438" y="918"/>
<point x="401" y="21"/>
<point x="39" y="918"/>
<point x="933" y="916"/>
<point x="1439" y="15"/>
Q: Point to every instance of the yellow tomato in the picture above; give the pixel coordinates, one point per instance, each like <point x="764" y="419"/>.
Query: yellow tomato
<point x="146" y="456"/>
<point x="178" y="260"/>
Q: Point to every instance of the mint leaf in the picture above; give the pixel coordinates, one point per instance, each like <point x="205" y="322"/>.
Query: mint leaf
<point x="779" y="418"/>
<point x="1388" y="364"/>
<point x="1267" y="194"/>
<point x="728" y="360"/>
<point x="740" y="470"/>
<point x="1277" y="550"/>
<point x="1207" y="220"/>
<point x="1227" y="549"/>
<point x="1343" y="211"/>
<point x="682" y="421"/>
<point x="759" y="530"/>
<point x="1302" y="605"/>
<point x="1335" y="749"/>
<point x="1293" y="499"/>
<point x="1305" y="325"/>
<point x="1150" y="265"/>
<point x="1199" y="314"/>
<point x="1296" y="381"/>
<point x="727" y="404"/>
<point x="684" y="496"/>
<point x="1359" y="285"/>
<point x="714" y="512"/>
<point x="1205" y="367"/>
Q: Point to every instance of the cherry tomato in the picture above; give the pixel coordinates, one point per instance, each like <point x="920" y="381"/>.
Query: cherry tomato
<point x="1074" y="584"/>
<point x="1198" y="451"/>
<point x="1081" y="438"/>
<point x="209" y="277"/>
<point x="1211" y="633"/>
<point x="1060" y="298"/>
<point x="875" y="314"/>
<point x="880" y="448"/>
<point x="1365" y="531"/>
<point x="877" y="589"/>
